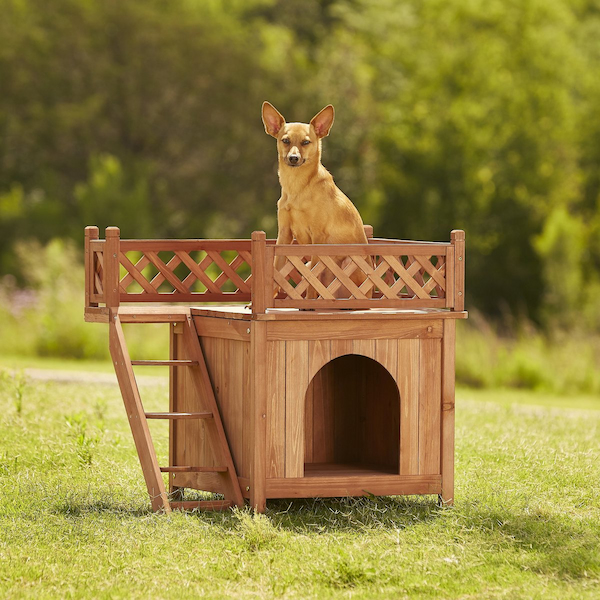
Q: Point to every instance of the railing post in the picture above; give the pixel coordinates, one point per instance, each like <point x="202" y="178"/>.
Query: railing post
<point x="259" y="273"/>
<point x="457" y="237"/>
<point x="91" y="233"/>
<point x="368" y="231"/>
<point x="111" y="267"/>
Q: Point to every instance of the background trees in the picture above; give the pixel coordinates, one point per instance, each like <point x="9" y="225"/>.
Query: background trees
<point x="480" y="115"/>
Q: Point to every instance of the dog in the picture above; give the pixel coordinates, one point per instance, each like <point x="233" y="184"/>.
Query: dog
<point x="312" y="209"/>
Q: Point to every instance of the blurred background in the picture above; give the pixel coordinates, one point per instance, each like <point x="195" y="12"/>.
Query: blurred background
<point x="473" y="114"/>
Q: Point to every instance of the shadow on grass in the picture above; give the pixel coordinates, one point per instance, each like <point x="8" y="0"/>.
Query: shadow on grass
<point x="542" y="542"/>
<point x="534" y="540"/>
<point x="351" y="514"/>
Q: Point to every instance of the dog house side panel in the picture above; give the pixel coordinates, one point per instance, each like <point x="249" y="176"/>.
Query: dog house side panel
<point x="194" y="441"/>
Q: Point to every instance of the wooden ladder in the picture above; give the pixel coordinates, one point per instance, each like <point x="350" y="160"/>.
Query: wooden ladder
<point x="138" y="418"/>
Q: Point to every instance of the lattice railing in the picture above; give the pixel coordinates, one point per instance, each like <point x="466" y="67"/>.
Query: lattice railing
<point x="166" y="270"/>
<point x="383" y="274"/>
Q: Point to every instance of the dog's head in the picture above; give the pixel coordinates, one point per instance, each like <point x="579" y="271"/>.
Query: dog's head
<point x="297" y="143"/>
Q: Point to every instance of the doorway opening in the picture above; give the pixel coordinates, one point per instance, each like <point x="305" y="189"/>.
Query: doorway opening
<point x="352" y="419"/>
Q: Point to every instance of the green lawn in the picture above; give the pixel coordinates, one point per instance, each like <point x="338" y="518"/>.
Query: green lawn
<point x="75" y="519"/>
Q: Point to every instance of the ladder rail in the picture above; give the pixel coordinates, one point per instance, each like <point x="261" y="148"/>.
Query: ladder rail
<point x="137" y="419"/>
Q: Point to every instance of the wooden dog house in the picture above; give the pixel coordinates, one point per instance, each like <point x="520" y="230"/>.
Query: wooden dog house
<point x="272" y="399"/>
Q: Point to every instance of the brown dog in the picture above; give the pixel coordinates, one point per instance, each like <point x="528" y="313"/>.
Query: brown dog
<point x="312" y="209"/>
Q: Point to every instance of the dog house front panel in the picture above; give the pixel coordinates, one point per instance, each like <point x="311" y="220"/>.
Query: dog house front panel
<point x="351" y="403"/>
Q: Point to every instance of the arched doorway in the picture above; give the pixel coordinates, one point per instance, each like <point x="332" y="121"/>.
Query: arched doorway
<point x="352" y="418"/>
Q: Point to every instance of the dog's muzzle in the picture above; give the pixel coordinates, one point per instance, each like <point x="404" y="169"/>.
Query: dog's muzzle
<point x="294" y="160"/>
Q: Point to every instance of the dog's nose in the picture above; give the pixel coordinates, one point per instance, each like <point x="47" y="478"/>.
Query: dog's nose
<point x="293" y="158"/>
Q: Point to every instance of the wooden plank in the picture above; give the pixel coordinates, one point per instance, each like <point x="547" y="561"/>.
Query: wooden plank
<point x="164" y="363"/>
<point x="355" y="329"/>
<point x="174" y="416"/>
<point x="319" y="354"/>
<point x="174" y="335"/>
<point x="353" y="485"/>
<point x="457" y="237"/>
<point x="430" y="407"/>
<point x="174" y="245"/>
<point x="258" y="423"/>
<point x="450" y="279"/>
<point x="316" y="432"/>
<point x="135" y="414"/>
<point x="386" y="353"/>
<point x="153" y="314"/>
<point x="408" y="384"/>
<point x="203" y="384"/>
<point x="364" y="347"/>
<point x="91" y="234"/>
<point x="236" y="393"/>
<point x="96" y="314"/>
<point x="448" y="393"/>
<point x="341" y="347"/>
<point x="402" y="249"/>
<point x="224" y="311"/>
<point x="97" y="245"/>
<point x="187" y="297"/>
<point x="111" y="268"/>
<point x="339" y="303"/>
<point x="188" y="469"/>
<point x="296" y="368"/>
<point x="229" y="329"/>
<point x="260" y="294"/>
<point x="276" y="375"/>
<point x="368" y="314"/>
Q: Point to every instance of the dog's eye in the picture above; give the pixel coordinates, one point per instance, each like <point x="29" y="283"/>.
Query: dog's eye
<point x="286" y="141"/>
<point x="306" y="142"/>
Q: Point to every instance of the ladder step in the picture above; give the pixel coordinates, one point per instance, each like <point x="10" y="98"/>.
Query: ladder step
<point x="164" y="363"/>
<point x="202" y="504"/>
<point x="178" y="415"/>
<point x="181" y="469"/>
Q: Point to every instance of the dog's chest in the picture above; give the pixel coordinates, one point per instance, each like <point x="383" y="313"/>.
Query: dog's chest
<point x="303" y="218"/>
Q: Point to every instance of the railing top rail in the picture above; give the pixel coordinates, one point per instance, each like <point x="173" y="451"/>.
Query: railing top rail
<point x="362" y="249"/>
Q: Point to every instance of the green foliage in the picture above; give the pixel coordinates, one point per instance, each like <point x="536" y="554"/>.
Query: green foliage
<point x="479" y="115"/>
<point x="563" y="362"/>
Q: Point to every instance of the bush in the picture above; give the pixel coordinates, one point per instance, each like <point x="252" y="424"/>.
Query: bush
<point x="521" y="356"/>
<point x="46" y="319"/>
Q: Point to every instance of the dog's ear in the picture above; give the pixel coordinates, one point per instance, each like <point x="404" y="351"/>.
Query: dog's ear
<point x="323" y="121"/>
<point x="272" y="119"/>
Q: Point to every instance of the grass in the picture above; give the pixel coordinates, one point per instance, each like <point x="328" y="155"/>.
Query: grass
<point x="75" y="519"/>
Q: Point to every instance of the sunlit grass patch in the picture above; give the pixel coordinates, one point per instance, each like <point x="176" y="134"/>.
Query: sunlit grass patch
<point x="526" y="523"/>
